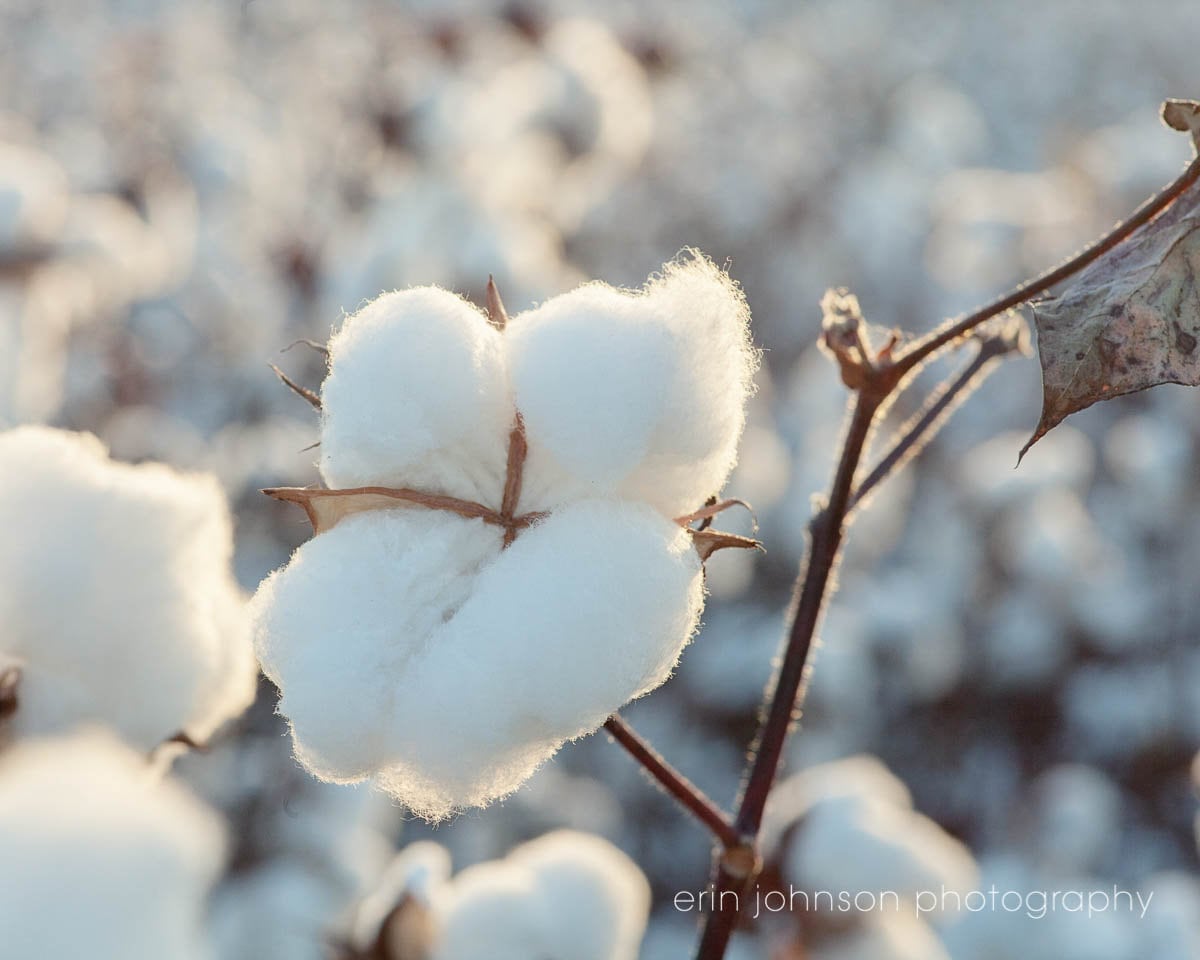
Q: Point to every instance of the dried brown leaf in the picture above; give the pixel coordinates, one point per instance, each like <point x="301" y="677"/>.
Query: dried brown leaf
<point x="708" y="542"/>
<point x="327" y="508"/>
<point x="1130" y="320"/>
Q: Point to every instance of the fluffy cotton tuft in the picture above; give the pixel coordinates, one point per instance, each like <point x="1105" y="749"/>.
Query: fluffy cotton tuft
<point x="429" y="652"/>
<point x="565" y="894"/>
<point x="409" y="647"/>
<point x="635" y="394"/>
<point x="102" y="862"/>
<point x="857" y="831"/>
<point x="416" y="397"/>
<point x="116" y="597"/>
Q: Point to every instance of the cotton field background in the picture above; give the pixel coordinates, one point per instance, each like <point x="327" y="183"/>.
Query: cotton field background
<point x="187" y="189"/>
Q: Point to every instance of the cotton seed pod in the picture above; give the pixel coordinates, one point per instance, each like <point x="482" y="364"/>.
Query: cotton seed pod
<point x="117" y="601"/>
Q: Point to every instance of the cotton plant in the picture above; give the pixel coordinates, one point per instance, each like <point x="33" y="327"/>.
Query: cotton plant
<point x="565" y="894"/>
<point x="103" y="860"/>
<point x="117" y="602"/>
<point x="503" y="554"/>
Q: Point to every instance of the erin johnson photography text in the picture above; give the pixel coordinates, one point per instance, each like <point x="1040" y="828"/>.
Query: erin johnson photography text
<point x="1034" y="904"/>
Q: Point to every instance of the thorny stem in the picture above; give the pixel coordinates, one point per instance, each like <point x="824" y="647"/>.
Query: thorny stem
<point x="826" y="533"/>
<point x="686" y="793"/>
<point x="936" y="340"/>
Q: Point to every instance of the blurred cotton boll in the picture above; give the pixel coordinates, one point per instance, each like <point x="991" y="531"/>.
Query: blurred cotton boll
<point x="104" y="862"/>
<point x="565" y="894"/>
<point x="117" y="602"/>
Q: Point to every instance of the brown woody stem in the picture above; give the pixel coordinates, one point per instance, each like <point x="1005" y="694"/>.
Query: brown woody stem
<point x="686" y="793"/>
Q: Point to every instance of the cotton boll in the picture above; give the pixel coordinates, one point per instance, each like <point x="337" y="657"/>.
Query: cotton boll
<point x="565" y="894"/>
<point x="154" y="638"/>
<point x="106" y="863"/>
<point x="584" y="612"/>
<point x="337" y="628"/>
<point x="853" y="837"/>
<point x="416" y="397"/>
<point x="641" y="395"/>
<point x="419" y="871"/>
<point x="597" y="899"/>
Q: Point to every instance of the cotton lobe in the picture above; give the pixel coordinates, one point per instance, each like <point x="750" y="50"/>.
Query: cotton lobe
<point x="117" y="602"/>
<point x="429" y="651"/>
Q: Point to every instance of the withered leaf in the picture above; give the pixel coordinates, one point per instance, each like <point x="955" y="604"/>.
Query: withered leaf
<point x="708" y="542"/>
<point x="1130" y="320"/>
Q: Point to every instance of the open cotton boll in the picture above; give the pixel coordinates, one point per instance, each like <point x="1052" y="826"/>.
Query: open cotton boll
<point x="408" y="647"/>
<point x="117" y="600"/>
<point x="103" y="862"/>
<point x="418" y="873"/>
<point x="566" y="894"/>
<point x="634" y="394"/>
<point x="416" y="397"/>
<point x="597" y="898"/>
<point x="867" y="844"/>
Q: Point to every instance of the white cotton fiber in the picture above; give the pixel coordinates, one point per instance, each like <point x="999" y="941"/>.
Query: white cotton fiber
<point x="416" y="396"/>
<point x="634" y="394"/>
<point x="116" y="596"/>
<point x="857" y="832"/>
<point x="338" y="629"/>
<point x="409" y="648"/>
<point x="101" y="861"/>
<point x="565" y="894"/>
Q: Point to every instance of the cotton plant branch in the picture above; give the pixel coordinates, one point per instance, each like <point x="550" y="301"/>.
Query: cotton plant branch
<point x="936" y="340"/>
<point x="682" y="790"/>
<point x="873" y="377"/>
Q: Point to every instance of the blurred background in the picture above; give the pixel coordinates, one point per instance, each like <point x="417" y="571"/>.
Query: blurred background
<point x="188" y="188"/>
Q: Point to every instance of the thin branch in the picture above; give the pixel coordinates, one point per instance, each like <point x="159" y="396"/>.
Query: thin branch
<point x="934" y="341"/>
<point x="825" y="532"/>
<point x="915" y="434"/>
<point x="686" y="793"/>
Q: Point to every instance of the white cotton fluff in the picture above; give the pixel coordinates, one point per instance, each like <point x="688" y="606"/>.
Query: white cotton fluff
<point x="565" y="894"/>
<point x="635" y="394"/>
<point x="416" y="397"/>
<point x="101" y="861"/>
<point x="851" y="837"/>
<point x="409" y="648"/>
<point x="117" y="599"/>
